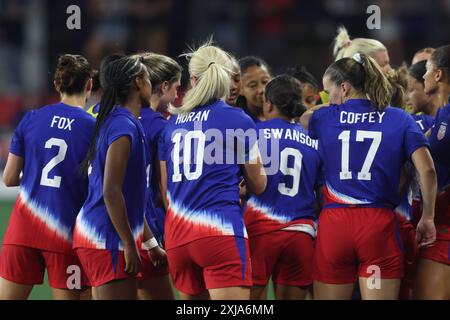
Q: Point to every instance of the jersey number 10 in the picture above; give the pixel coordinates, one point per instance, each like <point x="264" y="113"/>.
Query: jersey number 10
<point x="188" y="138"/>
<point x="361" y="135"/>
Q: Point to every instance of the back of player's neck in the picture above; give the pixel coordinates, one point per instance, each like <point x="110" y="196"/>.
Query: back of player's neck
<point x="74" y="101"/>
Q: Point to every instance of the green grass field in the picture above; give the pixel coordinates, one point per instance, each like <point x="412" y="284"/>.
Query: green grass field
<point x="41" y="292"/>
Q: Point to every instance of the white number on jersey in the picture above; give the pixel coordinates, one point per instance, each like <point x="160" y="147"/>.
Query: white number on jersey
<point x="294" y="171"/>
<point x="361" y="135"/>
<point x="191" y="136"/>
<point x="54" y="182"/>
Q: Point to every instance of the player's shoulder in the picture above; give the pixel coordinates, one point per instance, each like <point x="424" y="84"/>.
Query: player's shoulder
<point x="233" y="115"/>
<point x="444" y="111"/>
<point x="148" y="114"/>
<point x="121" y="118"/>
<point x="395" y="111"/>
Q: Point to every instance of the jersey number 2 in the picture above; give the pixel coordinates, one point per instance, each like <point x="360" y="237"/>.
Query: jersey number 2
<point x="54" y="182"/>
<point x="361" y="135"/>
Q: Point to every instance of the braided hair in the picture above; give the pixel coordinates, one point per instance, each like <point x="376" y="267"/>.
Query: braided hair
<point x="117" y="74"/>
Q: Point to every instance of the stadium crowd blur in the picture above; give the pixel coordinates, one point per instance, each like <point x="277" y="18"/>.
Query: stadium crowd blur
<point x="33" y="33"/>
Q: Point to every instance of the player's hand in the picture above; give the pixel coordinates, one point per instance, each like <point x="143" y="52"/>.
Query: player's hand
<point x="242" y="189"/>
<point x="426" y="232"/>
<point x="132" y="259"/>
<point x="158" y="256"/>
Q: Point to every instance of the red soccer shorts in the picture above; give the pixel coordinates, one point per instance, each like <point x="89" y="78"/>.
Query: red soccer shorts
<point x="25" y="265"/>
<point x="357" y="241"/>
<point x="287" y="256"/>
<point x="148" y="270"/>
<point x="410" y="255"/>
<point x="439" y="252"/>
<point x="210" y="263"/>
<point x="103" y="266"/>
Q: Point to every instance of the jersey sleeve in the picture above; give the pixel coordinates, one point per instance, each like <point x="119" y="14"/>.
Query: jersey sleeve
<point x="120" y="127"/>
<point x="163" y="145"/>
<point x="157" y="129"/>
<point x="414" y="138"/>
<point x="247" y="140"/>
<point x="17" y="146"/>
<point x="316" y="121"/>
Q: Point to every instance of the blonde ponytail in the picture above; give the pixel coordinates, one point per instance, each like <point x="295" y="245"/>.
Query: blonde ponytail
<point x="376" y="84"/>
<point x="341" y="43"/>
<point x="212" y="67"/>
<point x="344" y="47"/>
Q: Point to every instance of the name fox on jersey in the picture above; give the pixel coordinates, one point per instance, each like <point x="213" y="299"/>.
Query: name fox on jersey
<point x="62" y="123"/>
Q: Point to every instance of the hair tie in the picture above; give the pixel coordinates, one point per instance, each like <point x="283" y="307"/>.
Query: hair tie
<point x="210" y="64"/>
<point x="346" y="44"/>
<point x="357" y="58"/>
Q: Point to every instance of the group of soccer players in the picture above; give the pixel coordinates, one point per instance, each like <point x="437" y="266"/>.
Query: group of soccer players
<point x="253" y="178"/>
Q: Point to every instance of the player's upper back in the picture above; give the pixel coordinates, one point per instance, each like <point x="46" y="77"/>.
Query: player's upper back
<point x="53" y="140"/>
<point x="363" y="150"/>
<point x="204" y="138"/>
<point x="292" y="165"/>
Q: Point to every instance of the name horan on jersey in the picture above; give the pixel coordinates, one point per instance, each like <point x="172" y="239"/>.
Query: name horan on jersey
<point x="234" y="146"/>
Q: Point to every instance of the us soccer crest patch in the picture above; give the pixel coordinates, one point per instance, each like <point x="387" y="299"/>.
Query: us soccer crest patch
<point x="442" y="130"/>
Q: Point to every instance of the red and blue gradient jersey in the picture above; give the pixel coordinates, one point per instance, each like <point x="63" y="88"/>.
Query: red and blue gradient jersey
<point x="412" y="191"/>
<point x="440" y="146"/>
<point x="292" y="165"/>
<point x="154" y="123"/>
<point x="53" y="141"/>
<point x="440" y="151"/>
<point x="203" y="151"/>
<point x="94" y="229"/>
<point x="425" y="122"/>
<point x="363" y="152"/>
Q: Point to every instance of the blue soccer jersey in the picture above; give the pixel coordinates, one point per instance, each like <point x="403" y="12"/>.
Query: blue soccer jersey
<point x="440" y="151"/>
<point x="425" y="122"/>
<point x="293" y="166"/>
<point x="154" y="123"/>
<point x="203" y="151"/>
<point x="440" y="146"/>
<point x="94" y="229"/>
<point x="53" y="141"/>
<point x="364" y="151"/>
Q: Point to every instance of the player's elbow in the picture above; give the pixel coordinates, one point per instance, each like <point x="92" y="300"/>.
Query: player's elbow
<point x="429" y="171"/>
<point x="10" y="180"/>
<point x="110" y="193"/>
<point x="304" y="119"/>
<point x="258" y="186"/>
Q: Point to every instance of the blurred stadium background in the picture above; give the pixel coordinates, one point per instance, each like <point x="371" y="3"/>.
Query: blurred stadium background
<point x="33" y="33"/>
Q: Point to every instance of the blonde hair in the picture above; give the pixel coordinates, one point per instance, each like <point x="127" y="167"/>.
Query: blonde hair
<point x="212" y="67"/>
<point x="344" y="47"/>
<point x="399" y="82"/>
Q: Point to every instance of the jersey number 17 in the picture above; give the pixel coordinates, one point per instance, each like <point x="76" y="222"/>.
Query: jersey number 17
<point x="361" y="135"/>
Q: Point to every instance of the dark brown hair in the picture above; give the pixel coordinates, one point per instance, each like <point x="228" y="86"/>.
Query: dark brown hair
<point x="72" y="73"/>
